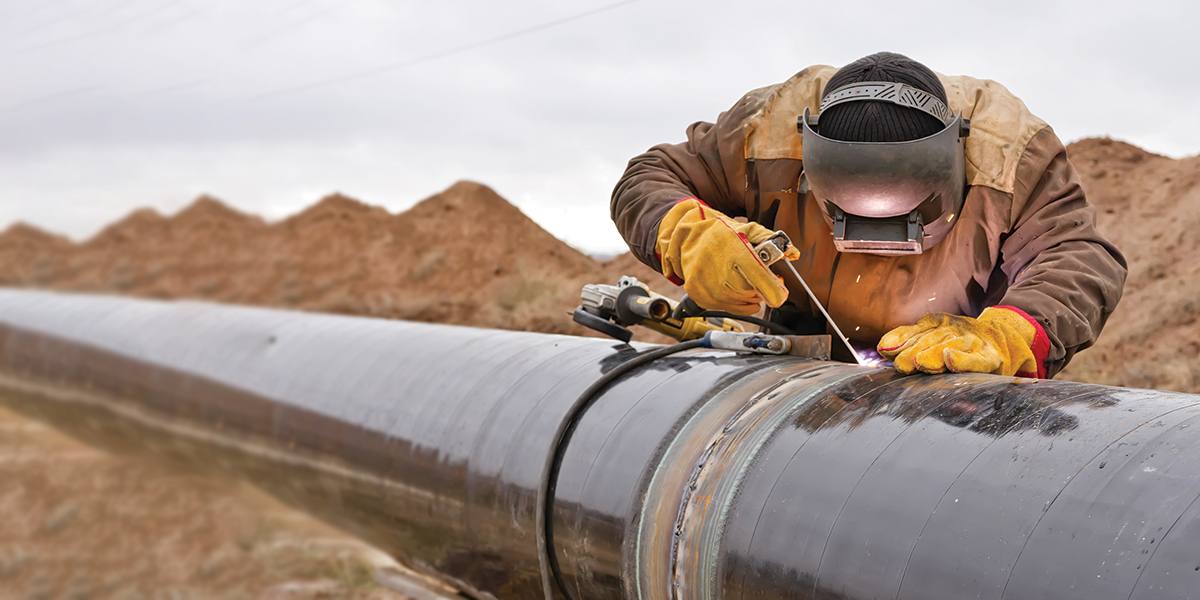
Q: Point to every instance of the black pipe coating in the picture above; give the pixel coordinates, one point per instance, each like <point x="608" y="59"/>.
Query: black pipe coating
<point x="702" y="475"/>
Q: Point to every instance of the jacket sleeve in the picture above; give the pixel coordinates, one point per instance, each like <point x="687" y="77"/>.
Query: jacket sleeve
<point x="1061" y="271"/>
<point x="708" y="165"/>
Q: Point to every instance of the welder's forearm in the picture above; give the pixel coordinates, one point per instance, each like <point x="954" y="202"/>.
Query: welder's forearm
<point x="1061" y="270"/>
<point x="1071" y="290"/>
<point x="645" y="193"/>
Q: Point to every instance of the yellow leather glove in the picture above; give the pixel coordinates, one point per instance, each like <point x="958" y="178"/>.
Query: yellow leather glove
<point x="1002" y="340"/>
<point x="712" y="256"/>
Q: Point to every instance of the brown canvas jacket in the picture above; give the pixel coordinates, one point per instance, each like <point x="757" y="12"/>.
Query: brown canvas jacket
<point x="1026" y="236"/>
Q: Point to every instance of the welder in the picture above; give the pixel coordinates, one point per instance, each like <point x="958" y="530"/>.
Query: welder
<point x="935" y="217"/>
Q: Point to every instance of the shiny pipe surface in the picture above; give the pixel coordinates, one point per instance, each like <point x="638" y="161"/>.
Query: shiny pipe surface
<point x="702" y="475"/>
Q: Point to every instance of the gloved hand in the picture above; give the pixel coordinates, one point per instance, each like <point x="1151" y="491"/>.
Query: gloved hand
<point x="713" y="256"/>
<point x="1001" y="341"/>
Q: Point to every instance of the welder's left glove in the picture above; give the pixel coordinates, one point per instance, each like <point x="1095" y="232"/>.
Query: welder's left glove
<point x="1002" y="340"/>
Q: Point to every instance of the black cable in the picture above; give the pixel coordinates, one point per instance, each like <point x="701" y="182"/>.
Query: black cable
<point x="765" y="324"/>
<point x="566" y="427"/>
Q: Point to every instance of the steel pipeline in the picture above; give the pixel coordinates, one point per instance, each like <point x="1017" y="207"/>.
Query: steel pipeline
<point x="700" y="475"/>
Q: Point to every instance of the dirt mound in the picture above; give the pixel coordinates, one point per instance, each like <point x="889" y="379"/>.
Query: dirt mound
<point x="1149" y="206"/>
<point x="464" y="255"/>
<point x="207" y="214"/>
<point x="30" y="256"/>
<point x="469" y="256"/>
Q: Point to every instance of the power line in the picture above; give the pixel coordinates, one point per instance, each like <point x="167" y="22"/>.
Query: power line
<point x="285" y="29"/>
<point x="416" y="60"/>
<point x="37" y="101"/>
<point x="104" y="29"/>
<point x="169" y="88"/>
<point x="157" y="27"/>
<point x="35" y="16"/>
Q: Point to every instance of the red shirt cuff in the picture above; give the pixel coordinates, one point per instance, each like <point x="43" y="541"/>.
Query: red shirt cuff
<point x="1040" y="345"/>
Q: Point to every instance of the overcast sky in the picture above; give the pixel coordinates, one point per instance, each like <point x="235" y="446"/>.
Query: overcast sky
<point x="109" y="105"/>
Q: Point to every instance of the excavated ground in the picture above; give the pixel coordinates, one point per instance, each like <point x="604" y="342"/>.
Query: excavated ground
<point x="96" y="525"/>
<point x="1149" y="206"/>
<point x="83" y="523"/>
<point x="463" y="256"/>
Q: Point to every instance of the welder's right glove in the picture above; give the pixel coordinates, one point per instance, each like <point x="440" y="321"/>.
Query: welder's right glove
<point x="712" y="256"/>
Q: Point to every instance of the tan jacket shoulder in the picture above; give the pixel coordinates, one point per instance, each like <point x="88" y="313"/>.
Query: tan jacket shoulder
<point x="1001" y="125"/>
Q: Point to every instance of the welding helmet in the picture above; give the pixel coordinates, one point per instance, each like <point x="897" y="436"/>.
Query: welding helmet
<point x="891" y="198"/>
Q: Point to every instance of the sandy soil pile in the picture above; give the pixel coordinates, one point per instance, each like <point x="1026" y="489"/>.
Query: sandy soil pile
<point x="1149" y="206"/>
<point x="463" y="256"/>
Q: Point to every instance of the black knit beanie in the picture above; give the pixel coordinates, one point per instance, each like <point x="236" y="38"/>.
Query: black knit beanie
<point x="869" y="121"/>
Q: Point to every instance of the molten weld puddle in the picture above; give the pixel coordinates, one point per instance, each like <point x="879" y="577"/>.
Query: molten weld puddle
<point x="869" y="357"/>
